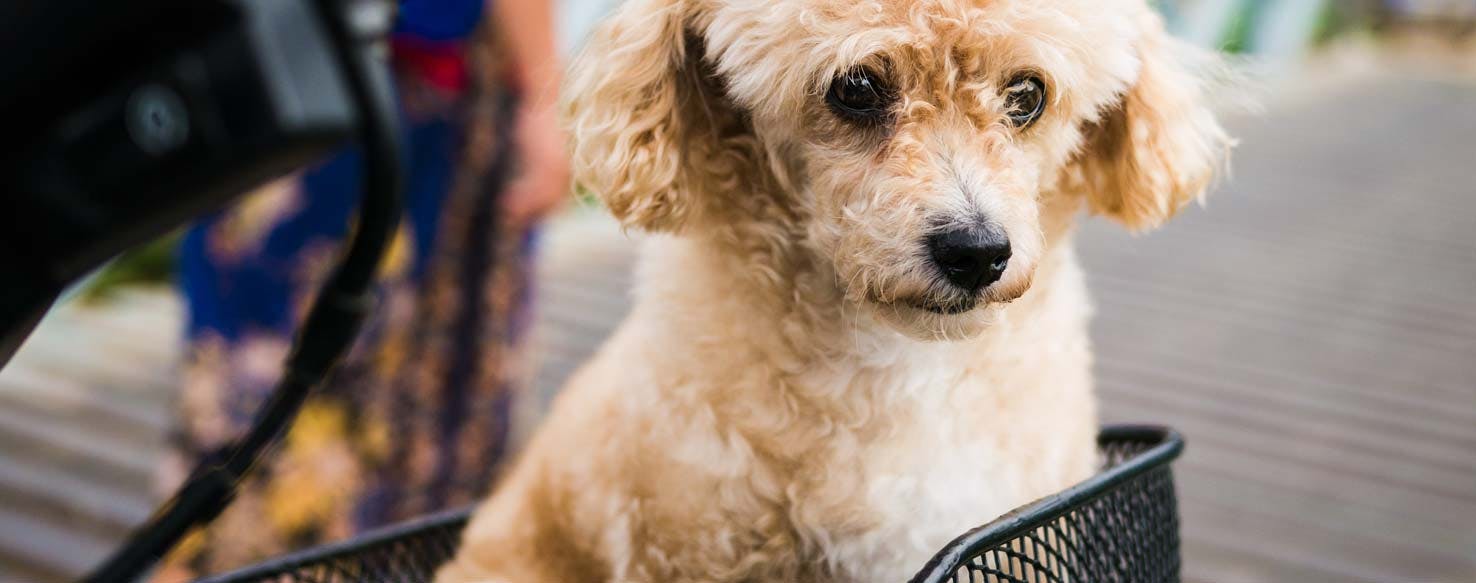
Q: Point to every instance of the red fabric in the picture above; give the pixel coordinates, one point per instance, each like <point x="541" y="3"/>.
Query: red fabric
<point x="441" y="64"/>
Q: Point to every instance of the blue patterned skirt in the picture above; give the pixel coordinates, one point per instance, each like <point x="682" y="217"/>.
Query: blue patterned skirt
<point x="417" y="418"/>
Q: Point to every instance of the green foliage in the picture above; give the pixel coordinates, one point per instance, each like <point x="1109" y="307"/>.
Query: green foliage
<point x="150" y="264"/>
<point x="1339" y="18"/>
<point x="1237" y="39"/>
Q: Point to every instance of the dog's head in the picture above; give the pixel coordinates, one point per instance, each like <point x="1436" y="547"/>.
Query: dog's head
<point x="910" y="147"/>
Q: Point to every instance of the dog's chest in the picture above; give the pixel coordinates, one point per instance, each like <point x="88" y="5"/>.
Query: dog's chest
<point x="886" y="502"/>
<point x="859" y="470"/>
<point x="901" y="504"/>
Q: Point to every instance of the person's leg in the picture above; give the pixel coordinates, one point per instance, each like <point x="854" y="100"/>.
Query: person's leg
<point x="244" y="274"/>
<point x="449" y="406"/>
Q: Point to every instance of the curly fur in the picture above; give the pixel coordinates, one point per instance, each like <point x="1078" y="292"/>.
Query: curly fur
<point x="777" y="407"/>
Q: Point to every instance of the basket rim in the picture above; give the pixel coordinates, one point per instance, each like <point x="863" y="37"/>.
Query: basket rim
<point x="384" y="536"/>
<point x="1168" y="444"/>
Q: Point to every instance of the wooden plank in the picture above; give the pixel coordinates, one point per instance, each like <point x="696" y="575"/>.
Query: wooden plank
<point x="34" y="545"/>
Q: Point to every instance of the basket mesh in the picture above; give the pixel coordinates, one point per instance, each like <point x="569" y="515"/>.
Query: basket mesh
<point x="407" y="553"/>
<point x="1129" y="534"/>
<point x="1122" y="526"/>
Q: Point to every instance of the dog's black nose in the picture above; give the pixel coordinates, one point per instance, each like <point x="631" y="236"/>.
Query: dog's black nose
<point x="971" y="257"/>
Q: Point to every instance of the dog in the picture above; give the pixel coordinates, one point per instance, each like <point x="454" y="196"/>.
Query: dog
<point x="859" y="326"/>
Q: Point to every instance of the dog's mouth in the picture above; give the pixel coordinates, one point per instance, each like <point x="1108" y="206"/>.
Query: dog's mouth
<point x="934" y="317"/>
<point x="944" y="308"/>
<point x="941" y="307"/>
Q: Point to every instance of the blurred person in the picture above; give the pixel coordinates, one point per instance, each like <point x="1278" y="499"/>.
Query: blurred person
<point x="416" y="420"/>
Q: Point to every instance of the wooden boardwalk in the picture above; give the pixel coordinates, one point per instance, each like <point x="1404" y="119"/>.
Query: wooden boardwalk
<point x="83" y="414"/>
<point x="1312" y="331"/>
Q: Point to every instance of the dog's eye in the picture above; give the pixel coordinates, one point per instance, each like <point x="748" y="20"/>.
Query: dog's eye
<point x="859" y="96"/>
<point x="1026" y="98"/>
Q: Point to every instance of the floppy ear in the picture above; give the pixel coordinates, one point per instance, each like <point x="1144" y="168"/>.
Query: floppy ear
<point x="640" y="109"/>
<point x="1160" y="146"/>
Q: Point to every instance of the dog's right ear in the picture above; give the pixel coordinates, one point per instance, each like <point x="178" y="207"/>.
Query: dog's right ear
<point x="637" y="116"/>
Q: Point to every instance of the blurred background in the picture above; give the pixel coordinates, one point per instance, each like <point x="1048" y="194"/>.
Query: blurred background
<point x="1311" y="329"/>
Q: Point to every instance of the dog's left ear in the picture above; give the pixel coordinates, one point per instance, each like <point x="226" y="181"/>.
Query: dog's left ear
<point x="1160" y="146"/>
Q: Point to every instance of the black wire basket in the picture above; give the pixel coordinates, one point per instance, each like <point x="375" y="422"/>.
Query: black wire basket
<point x="1122" y="525"/>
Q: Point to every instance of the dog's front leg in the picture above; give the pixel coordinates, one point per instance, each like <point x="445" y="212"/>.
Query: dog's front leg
<point x="509" y="558"/>
<point x="520" y="536"/>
